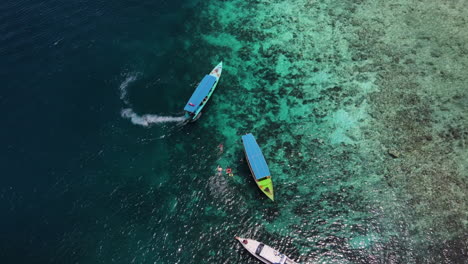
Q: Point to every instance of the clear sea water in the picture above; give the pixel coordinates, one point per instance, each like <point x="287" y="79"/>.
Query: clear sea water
<point x="97" y="168"/>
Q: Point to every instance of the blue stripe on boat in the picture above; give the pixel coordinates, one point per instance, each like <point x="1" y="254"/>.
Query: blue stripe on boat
<point x="255" y="156"/>
<point x="200" y="93"/>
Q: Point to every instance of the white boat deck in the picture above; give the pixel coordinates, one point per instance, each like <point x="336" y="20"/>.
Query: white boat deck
<point x="272" y="255"/>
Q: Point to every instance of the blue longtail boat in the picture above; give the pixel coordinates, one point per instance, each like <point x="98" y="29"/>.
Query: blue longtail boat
<point x="202" y="94"/>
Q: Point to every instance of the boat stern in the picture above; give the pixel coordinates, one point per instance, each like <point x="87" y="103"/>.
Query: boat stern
<point x="189" y="116"/>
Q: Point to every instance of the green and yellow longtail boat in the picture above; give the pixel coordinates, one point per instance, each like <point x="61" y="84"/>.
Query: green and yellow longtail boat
<point x="258" y="165"/>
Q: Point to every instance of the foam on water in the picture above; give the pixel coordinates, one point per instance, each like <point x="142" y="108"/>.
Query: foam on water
<point x="147" y="119"/>
<point x="123" y="86"/>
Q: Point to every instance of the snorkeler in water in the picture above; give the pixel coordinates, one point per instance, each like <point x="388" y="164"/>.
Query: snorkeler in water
<point x="220" y="170"/>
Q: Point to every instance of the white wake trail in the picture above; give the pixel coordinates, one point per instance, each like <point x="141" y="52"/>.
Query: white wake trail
<point x="147" y="120"/>
<point x="123" y="86"/>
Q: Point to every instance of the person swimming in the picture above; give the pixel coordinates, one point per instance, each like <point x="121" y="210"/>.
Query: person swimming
<point x="220" y="170"/>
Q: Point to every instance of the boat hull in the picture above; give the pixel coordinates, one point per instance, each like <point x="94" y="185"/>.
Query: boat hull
<point x="267" y="254"/>
<point x="257" y="165"/>
<point x="216" y="72"/>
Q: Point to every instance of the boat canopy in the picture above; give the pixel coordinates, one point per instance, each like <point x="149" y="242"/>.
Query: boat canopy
<point x="254" y="155"/>
<point x="200" y="93"/>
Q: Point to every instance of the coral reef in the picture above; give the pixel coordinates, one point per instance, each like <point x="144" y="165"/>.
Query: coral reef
<point x="361" y="109"/>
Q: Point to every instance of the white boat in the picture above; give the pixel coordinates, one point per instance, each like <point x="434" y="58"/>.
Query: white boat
<point x="264" y="253"/>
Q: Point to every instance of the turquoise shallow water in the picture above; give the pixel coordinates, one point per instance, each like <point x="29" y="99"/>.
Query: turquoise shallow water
<point x="359" y="107"/>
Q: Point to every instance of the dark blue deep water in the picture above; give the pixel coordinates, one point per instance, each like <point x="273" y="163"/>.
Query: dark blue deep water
<point x="73" y="171"/>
